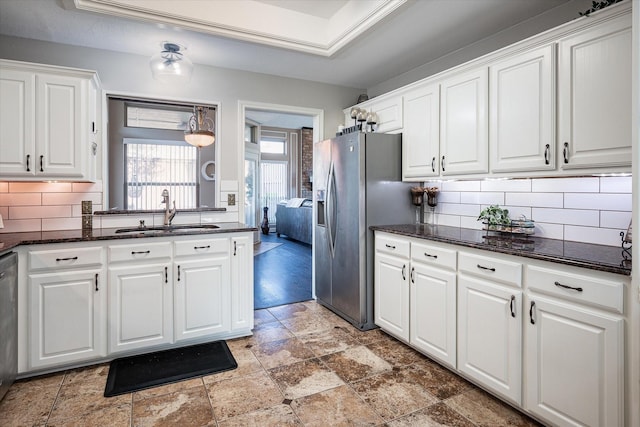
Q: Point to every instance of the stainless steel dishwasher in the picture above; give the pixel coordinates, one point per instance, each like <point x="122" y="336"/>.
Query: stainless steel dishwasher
<point x="8" y="321"/>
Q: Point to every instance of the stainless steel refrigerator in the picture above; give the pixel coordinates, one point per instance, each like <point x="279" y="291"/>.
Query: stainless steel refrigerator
<point x="357" y="179"/>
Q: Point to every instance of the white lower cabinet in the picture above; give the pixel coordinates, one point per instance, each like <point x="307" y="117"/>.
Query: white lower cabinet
<point x="392" y="295"/>
<point x="433" y="312"/>
<point x="490" y="335"/>
<point x="201" y="288"/>
<point x="67" y="317"/>
<point x="140" y="295"/>
<point x="140" y="306"/>
<point x="242" y="282"/>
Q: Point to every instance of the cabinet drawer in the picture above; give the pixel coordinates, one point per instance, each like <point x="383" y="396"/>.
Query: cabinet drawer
<point x="201" y="247"/>
<point x="607" y="294"/>
<point x="65" y="258"/>
<point x="504" y="271"/>
<point x="392" y="245"/>
<point x="140" y="251"/>
<point x="445" y="258"/>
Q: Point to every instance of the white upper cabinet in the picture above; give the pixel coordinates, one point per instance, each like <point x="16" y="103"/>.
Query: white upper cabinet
<point x="421" y="133"/>
<point x="463" y="124"/>
<point x="48" y="121"/>
<point x="389" y="111"/>
<point x="522" y="111"/>
<point x="594" y="89"/>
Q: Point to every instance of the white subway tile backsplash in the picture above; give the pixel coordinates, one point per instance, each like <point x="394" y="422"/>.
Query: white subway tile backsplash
<point x="482" y="198"/>
<point x="448" y="220"/>
<point x="20" y="225"/>
<point x="470" y="222"/>
<point x="606" y="202"/>
<point x="459" y="209"/>
<point x="550" y="231"/>
<point x="228" y="185"/>
<point x="566" y="185"/>
<point x="613" y="219"/>
<point x="615" y="184"/>
<point x="20" y="199"/>
<point x="510" y="185"/>
<point x="4" y="187"/>
<point x="52" y="224"/>
<point x="460" y="186"/>
<point x="31" y="212"/>
<point x="599" y="236"/>
<point x="39" y="187"/>
<point x="70" y="198"/>
<point x="538" y="200"/>
<point x="449" y="197"/>
<point x="516" y="212"/>
<point x="566" y="216"/>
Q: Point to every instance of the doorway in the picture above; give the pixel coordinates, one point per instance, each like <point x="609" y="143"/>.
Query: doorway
<point x="283" y="266"/>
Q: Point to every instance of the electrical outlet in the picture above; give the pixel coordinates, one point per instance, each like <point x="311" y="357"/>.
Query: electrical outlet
<point x="231" y="199"/>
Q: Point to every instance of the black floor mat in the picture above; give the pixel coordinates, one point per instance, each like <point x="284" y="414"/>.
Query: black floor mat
<point x="134" y="373"/>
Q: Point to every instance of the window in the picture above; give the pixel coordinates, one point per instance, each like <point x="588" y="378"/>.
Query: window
<point x="273" y="143"/>
<point x="147" y="153"/>
<point x="152" y="166"/>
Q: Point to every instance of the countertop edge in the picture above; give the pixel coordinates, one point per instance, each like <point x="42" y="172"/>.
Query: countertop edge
<point x="523" y="253"/>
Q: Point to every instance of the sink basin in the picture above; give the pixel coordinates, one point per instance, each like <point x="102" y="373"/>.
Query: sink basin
<point x="167" y="228"/>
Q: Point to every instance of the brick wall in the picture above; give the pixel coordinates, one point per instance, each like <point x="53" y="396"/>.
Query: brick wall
<point x="306" y="162"/>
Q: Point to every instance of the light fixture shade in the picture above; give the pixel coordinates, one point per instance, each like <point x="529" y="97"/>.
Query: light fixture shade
<point x="199" y="131"/>
<point x="171" y="65"/>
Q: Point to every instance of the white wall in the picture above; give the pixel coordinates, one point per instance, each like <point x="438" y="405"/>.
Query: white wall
<point x="526" y="29"/>
<point x="126" y="73"/>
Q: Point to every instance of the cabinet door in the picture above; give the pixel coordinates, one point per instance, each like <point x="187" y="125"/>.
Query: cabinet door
<point x="594" y="89"/>
<point x="201" y="295"/>
<point x="67" y="318"/>
<point x="575" y="365"/>
<point x="61" y="125"/>
<point x="433" y="312"/>
<point x="140" y="306"/>
<point x="490" y="335"/>
<point x="241" y="282"/>
<point x="463" y="124"/>
<point x="392" y="295"/>
<point x="17" y="127"/>
<point x="389" y="113"/>
<point x="522" y="111"/>
<point x="421" y="133"/>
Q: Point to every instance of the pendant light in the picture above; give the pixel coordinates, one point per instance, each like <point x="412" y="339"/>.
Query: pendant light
<point x="171" y="65"/>
<point x="199" y="131"/>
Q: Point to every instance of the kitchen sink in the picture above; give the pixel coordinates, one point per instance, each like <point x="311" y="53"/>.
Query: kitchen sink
<point x="167" y="228"/>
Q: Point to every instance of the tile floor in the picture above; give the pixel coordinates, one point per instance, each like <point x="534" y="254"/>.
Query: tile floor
<point x="303" y="366"/>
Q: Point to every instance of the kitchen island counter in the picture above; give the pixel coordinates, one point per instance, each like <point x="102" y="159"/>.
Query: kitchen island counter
<point x="596" y="257"/>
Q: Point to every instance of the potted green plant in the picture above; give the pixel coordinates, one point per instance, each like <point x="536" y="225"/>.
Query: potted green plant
<point x="495" y="217"/>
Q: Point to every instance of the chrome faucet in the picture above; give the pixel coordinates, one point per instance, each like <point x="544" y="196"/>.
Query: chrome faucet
<point x="168" y="212"/>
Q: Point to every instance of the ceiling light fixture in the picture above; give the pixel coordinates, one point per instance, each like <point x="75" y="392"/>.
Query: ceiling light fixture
<point x="199" y="131"/>
<point x="171" y="65"/>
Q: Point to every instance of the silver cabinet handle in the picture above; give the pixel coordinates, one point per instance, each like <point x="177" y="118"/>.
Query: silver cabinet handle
<point x="178" y="273"/>
<point x="431" y="256"/>
<point x="546" y="154"/>
<point x="201" y="247"/>
<point x="565" y="152"/>
<point x="97" y="282"/>
<point x="389" y="246"/>
<point x="235" y="247"/>
<point x="560" y="285"/>
<point x="404" y="267"/>
<point x="511" y="305"/>
<point x="28" y="158"/>
<point x="73" y="258"/>
<point x="533" y="304"/>
<point x="140" y="252"/>
<point x="413" y="270"/>
<point x="433" y="164"/>
<point x="41" y="163"/>
<point x="442" y="164"/>
<point x="166" y="274"/>
<point x="482" y="267"/>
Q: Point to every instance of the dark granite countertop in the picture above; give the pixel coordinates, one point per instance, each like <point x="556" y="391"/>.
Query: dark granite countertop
<point x="155" y="211"/>
<point x="586" y="255"/>
<point x="12" y="240"/>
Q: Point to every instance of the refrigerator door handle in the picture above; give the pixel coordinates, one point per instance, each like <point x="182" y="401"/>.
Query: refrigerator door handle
<point x="330" y="209"/>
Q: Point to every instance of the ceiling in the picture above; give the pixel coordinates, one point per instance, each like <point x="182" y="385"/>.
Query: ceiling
<point x="365" y="42"/>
